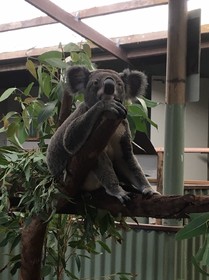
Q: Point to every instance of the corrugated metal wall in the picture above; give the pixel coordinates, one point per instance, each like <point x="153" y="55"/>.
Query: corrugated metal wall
<point x="151" y="255"/>
<point x="3" y="261"/>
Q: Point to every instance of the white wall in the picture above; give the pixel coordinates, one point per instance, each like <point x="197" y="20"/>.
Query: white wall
<point x="196" y="127"/>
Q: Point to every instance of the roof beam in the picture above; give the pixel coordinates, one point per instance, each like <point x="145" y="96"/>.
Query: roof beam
<point x="86" y="13"/>
<point x="38" y="21"/>
<point x="79" y="27"/>
<point x="119" y="7"/>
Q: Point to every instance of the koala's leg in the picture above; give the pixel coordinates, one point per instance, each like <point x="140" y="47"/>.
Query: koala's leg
<point x="129" y="170"/>
<point x="107" y="178"/>
<point x="78" y="130"/>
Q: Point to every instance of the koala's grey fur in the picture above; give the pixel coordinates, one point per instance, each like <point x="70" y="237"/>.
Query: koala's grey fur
<point x="104" y="91"/>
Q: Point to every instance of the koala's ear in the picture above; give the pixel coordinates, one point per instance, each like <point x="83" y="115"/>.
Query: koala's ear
<point x="77" y="78"/>
<point x="135" y="82"/>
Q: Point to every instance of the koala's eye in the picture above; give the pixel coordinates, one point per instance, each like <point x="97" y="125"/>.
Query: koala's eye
<point x="96" y="83"/>
<point x="120" y="85"/>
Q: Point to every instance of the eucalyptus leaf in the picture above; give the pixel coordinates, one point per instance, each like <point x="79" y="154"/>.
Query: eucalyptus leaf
<point x="50" y="54"/>
<point x="196" y="227"/>
<point x="14" y="140"/>
<point x="56" y="62"/>
<point x="104" y="246"/>
<point x="15" y="242"/>
<point x="46" y="84"/>
<point x="28" y="89"/>
<point x="26" y="118"/>
<point x="200" y="253"/>
<point x="87" y="50"/>
<point x="75" y="57"/>
<point x="78" y="262"/>
<point x="46" y="270"/>
<point x="197" y="266"/>
<point x="31" y="68"/>
<point x="2" y="129"/>
<point x="7" y="93"/>
<point x="15" y="267"/>
<point x="144" y="106"/>
<point x="27" y="173"/>
<point x="47" y="111"/>
<point x="136" y="110"/>
<point x="149" y="103"/>
<point x="72" y="47"/>
<point x="21" y="133"/>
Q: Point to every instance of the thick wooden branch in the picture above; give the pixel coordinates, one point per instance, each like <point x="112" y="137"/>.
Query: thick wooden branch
<point x="164" y="207"/>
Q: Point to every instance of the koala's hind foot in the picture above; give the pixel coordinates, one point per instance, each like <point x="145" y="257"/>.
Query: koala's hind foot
<point x="119" y="193"/>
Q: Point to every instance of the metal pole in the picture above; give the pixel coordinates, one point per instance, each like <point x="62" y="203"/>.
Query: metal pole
<point x="175" y="99"/>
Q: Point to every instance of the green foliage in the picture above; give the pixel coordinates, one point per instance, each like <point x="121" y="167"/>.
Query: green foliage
<point x="138" y="116"/>
<point x="198" y="226"/>
<point x="24" y="176"/>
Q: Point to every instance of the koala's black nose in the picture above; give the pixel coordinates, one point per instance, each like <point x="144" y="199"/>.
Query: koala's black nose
<point x="109" y="86"/>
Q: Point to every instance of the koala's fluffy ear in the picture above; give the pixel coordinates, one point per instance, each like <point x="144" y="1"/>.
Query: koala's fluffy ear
<point x="135" y="83"/>
<point x="77" y="78"/>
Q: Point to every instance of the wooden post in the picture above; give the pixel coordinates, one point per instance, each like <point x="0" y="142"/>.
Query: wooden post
<point x="175" y="98"/>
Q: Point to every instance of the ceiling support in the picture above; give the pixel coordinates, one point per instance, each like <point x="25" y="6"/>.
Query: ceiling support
<point x="79" y="27"/>
<point x="86" y="13"/>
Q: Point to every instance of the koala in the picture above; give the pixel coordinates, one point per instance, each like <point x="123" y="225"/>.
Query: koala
<point x="104" y="91"/>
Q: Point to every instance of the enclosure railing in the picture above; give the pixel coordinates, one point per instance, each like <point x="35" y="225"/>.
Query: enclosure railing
<point x="188" y="184"/>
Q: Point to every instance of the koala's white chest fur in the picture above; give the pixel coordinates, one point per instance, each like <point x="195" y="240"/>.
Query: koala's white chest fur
<point x="113" y="149"/>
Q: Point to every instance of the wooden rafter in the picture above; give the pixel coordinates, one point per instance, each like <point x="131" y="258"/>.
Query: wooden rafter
<point x="79" y="27"/>
<point x="86" y="13"/>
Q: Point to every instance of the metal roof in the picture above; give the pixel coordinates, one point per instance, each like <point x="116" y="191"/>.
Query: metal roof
<point x="95" y="23"/>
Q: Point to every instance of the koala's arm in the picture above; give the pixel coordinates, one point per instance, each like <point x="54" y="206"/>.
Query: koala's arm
<point x="78" y="130"/>
<point x="127" y="167"/>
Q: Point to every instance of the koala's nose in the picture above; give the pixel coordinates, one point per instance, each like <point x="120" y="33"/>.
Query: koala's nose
<point x="109" y="86"/>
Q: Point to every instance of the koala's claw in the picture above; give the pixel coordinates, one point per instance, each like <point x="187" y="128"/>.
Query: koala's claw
<point x="149" y="192"/>
<point x="115" y="108"/>
<point x="124" y="198"/>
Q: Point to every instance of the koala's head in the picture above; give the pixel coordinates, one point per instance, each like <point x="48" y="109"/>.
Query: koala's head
<point x="104" y="84"/>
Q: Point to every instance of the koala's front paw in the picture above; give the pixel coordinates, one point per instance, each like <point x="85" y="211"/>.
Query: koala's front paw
<point x="114" y="109"/>
<point x="149" y="192"/>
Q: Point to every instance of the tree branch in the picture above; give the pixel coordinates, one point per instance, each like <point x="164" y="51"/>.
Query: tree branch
<point x="157" y="206"/>
<point x="32" y="239"/>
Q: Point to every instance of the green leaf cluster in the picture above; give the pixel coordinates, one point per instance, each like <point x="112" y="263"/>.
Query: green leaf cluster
<point x="138" y="115"/>
<point x="10" y="224"/>
<point x="198" y="226"/>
